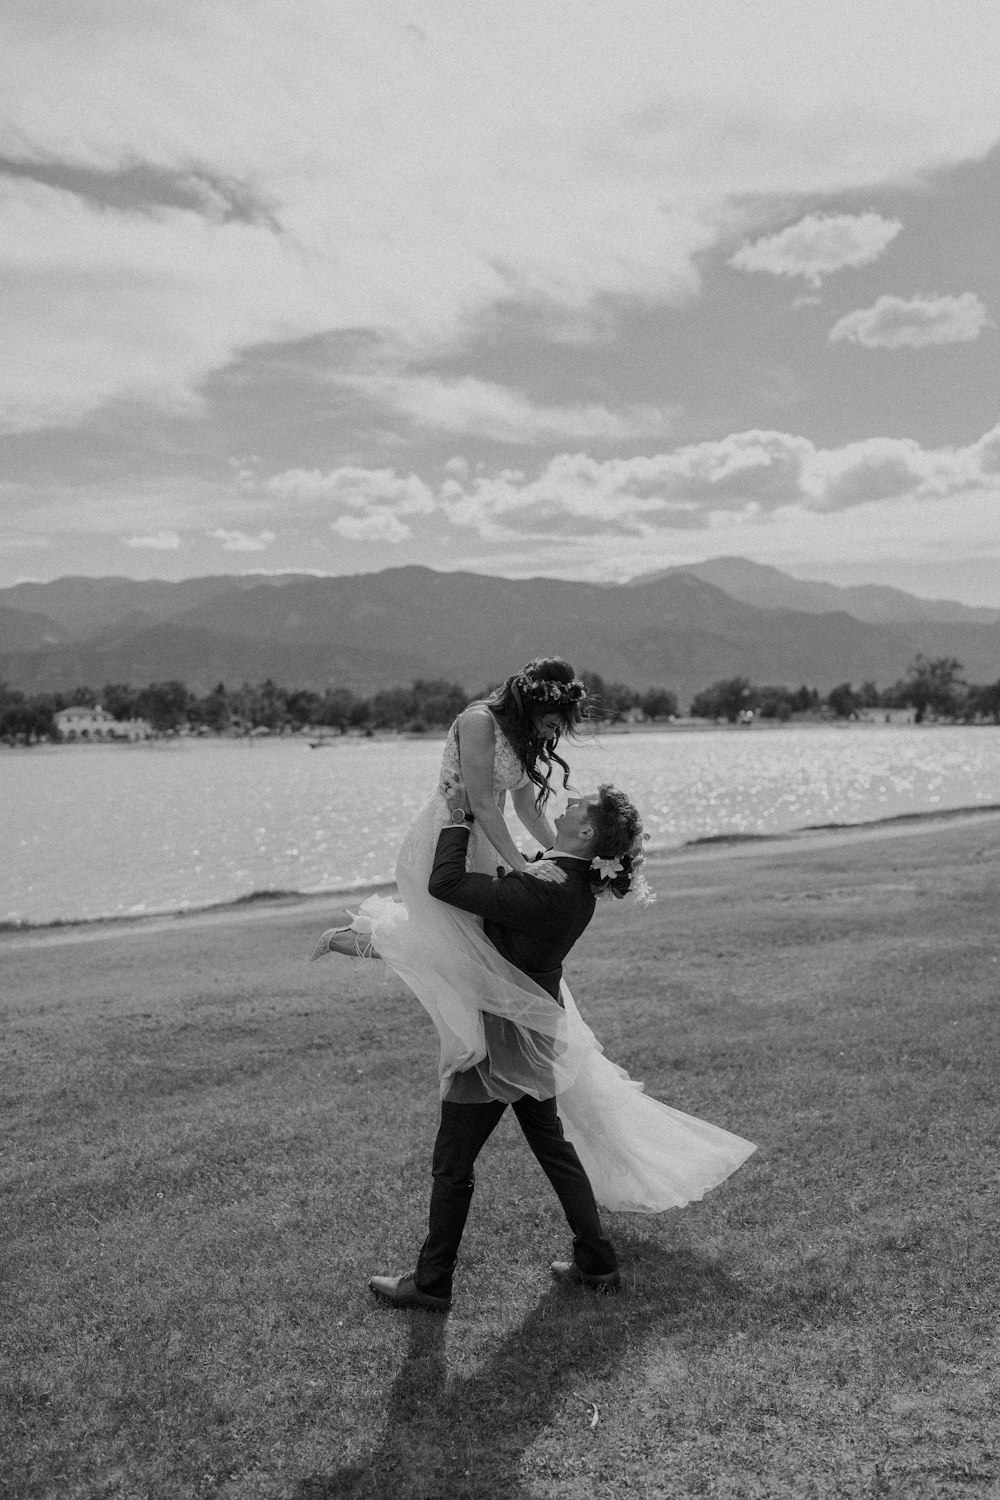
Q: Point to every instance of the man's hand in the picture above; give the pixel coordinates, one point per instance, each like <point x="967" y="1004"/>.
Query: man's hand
<point x="455" y="794"/>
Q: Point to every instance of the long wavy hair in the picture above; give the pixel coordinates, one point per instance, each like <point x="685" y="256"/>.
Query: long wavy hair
<point x="547" y="685"/>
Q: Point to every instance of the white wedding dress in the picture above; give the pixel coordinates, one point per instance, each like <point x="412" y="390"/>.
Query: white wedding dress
<point x="639" y="1154"/>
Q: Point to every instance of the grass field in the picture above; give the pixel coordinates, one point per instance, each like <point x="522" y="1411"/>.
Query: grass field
<point x="208" y="1145"/>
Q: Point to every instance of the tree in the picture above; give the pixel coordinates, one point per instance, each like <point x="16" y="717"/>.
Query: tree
<point x="392" y="708"/>
<point x="804" y="700"/>
<point x="659" y="703"/>
<point x="213" y="710"/>
<point x="843" y="701"/>
<point x="164" y="704"/>
<point x="932" y="684"/>
<point x="726" y="699"/>
<point x="302" y="706"/>
<point x="983" y="703"/>
<point x="438" y="702"/>
<point x="120" y="700"/>
<point x="25" y="719"/>
<point x="773" y="703"/>
<point x="338" y="707"/>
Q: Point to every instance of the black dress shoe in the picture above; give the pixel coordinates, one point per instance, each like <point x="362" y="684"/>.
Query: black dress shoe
<point x="569" y="1271"/>
<point x="402" y="1291"/>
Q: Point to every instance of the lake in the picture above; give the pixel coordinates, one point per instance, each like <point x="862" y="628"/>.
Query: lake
<point x="115" y="830"/>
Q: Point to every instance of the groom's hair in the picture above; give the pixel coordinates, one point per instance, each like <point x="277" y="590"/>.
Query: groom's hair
<point x="617" y="824"/>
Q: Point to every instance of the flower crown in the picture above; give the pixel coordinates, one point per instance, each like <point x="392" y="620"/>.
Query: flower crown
<point x="546" y="690"/>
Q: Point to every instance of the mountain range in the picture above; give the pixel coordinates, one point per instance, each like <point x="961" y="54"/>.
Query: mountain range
<point x="682" y="628"/>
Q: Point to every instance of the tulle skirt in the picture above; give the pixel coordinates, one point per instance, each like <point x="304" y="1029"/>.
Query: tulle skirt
<point x="640" y="1155"/>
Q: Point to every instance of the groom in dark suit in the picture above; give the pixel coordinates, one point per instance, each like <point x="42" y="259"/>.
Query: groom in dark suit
<point x="533" y="917"/>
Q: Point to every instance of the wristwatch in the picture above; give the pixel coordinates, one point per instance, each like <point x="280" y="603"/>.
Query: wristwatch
<point x="460" y="816"/>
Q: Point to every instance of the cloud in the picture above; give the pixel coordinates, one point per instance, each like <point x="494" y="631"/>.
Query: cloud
<point x="895" y="323"/>
<point x="754" y="474"/>
<point x="284" y="171"/>
<point x="240" y="541"/>
<point x="144" y="187"/>
<point x="157" y="541"/>
<point x="98" y="305"/>
<point x="354" y="488"/>
<point x="483" y="409"/>
<point x="376" y="526"/>
<point x="370" y="501"/>
<point x="818" y="245"/>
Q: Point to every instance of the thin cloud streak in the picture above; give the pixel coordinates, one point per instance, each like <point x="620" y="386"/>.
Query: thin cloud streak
<point x="484" y="409"/>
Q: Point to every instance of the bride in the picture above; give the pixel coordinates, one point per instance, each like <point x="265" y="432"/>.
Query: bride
<point x="639" y="1154"/>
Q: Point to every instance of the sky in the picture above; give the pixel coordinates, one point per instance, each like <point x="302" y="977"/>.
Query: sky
<point x="574" y="289"/>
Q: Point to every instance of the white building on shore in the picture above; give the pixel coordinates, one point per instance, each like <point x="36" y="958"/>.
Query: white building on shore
<point x="82" y="723"/>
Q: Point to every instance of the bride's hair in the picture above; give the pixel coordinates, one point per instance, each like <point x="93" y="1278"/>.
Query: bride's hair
<point x="617" y="847"/>
<point x="546" y="685"/>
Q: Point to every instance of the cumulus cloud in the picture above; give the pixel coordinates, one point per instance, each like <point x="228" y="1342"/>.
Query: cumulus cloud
<point x="354" y="488"/>
<point x="482" y="408"/>
<point x="751" y="474"/>
<point x="367" y="503"/>
<point x="754" y="474"/>
<point x="898" y="323"/>
<point x="818" y="245"/>
<point x="241" y="541"/>
<point x="376" y="526"/>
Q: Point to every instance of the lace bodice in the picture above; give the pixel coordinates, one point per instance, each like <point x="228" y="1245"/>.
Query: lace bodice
<point x="507" y="772"/>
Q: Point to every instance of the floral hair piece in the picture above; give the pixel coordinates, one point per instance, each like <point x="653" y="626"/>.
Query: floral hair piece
<point x="547" y="690"/>
<point x="622" y="876"/>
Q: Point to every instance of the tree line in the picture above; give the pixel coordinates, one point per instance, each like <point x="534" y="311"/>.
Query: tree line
<point x="932" y="686"/>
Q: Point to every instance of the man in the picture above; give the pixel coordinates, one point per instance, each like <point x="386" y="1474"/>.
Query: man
<point x="533" y="918"/>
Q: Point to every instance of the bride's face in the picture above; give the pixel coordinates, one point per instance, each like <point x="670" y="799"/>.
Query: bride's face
<point x="549" y="725"/>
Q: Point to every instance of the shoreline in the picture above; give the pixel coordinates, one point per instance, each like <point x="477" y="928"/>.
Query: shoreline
<point x="281" y="904"/>
<point x="683" y="724"/>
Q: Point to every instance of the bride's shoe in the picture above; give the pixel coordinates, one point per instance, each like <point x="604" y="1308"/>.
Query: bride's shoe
<point x="345" y="940"/>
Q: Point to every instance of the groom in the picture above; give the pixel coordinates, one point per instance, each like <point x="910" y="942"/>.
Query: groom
<point x="533" y="917"/>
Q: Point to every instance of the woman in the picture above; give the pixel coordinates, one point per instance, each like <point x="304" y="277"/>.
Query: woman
<point x="638" y="1154"/>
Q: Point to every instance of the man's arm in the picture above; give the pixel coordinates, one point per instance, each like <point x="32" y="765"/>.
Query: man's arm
<point x="515" y="901"/>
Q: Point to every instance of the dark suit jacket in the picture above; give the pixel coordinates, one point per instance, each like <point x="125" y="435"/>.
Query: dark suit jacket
<point x="532" y="916"/>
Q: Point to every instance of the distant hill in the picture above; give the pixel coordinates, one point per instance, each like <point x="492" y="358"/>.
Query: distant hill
<point x="769" y="588"/>
<point x="380" y="629"/>
<point x="87" y="607"/>
<point x="26" y="630"/>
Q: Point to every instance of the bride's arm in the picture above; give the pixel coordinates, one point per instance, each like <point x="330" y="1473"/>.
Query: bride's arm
<point x="476" y="748"/>
<point x="537" y="824"/>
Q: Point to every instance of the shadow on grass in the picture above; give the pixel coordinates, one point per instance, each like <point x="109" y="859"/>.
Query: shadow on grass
<point x="453" y="1437"/>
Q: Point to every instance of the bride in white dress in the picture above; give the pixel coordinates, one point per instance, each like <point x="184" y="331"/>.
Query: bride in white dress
<point x="639" y="1154"/>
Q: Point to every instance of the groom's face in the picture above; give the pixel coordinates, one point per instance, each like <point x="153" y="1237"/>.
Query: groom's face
<point x="578" y="815"/>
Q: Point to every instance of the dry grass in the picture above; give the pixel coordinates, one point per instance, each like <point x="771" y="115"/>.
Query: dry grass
<point x="208" y="1146"/>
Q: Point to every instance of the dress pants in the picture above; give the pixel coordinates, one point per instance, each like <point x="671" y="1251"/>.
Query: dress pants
<point x="463" y="1132"/>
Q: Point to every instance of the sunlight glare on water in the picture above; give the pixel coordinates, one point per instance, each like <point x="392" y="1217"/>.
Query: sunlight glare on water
<point x="115" y="830"/>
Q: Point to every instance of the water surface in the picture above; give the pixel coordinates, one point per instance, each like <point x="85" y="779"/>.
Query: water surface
<point x="103" y="830"/>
